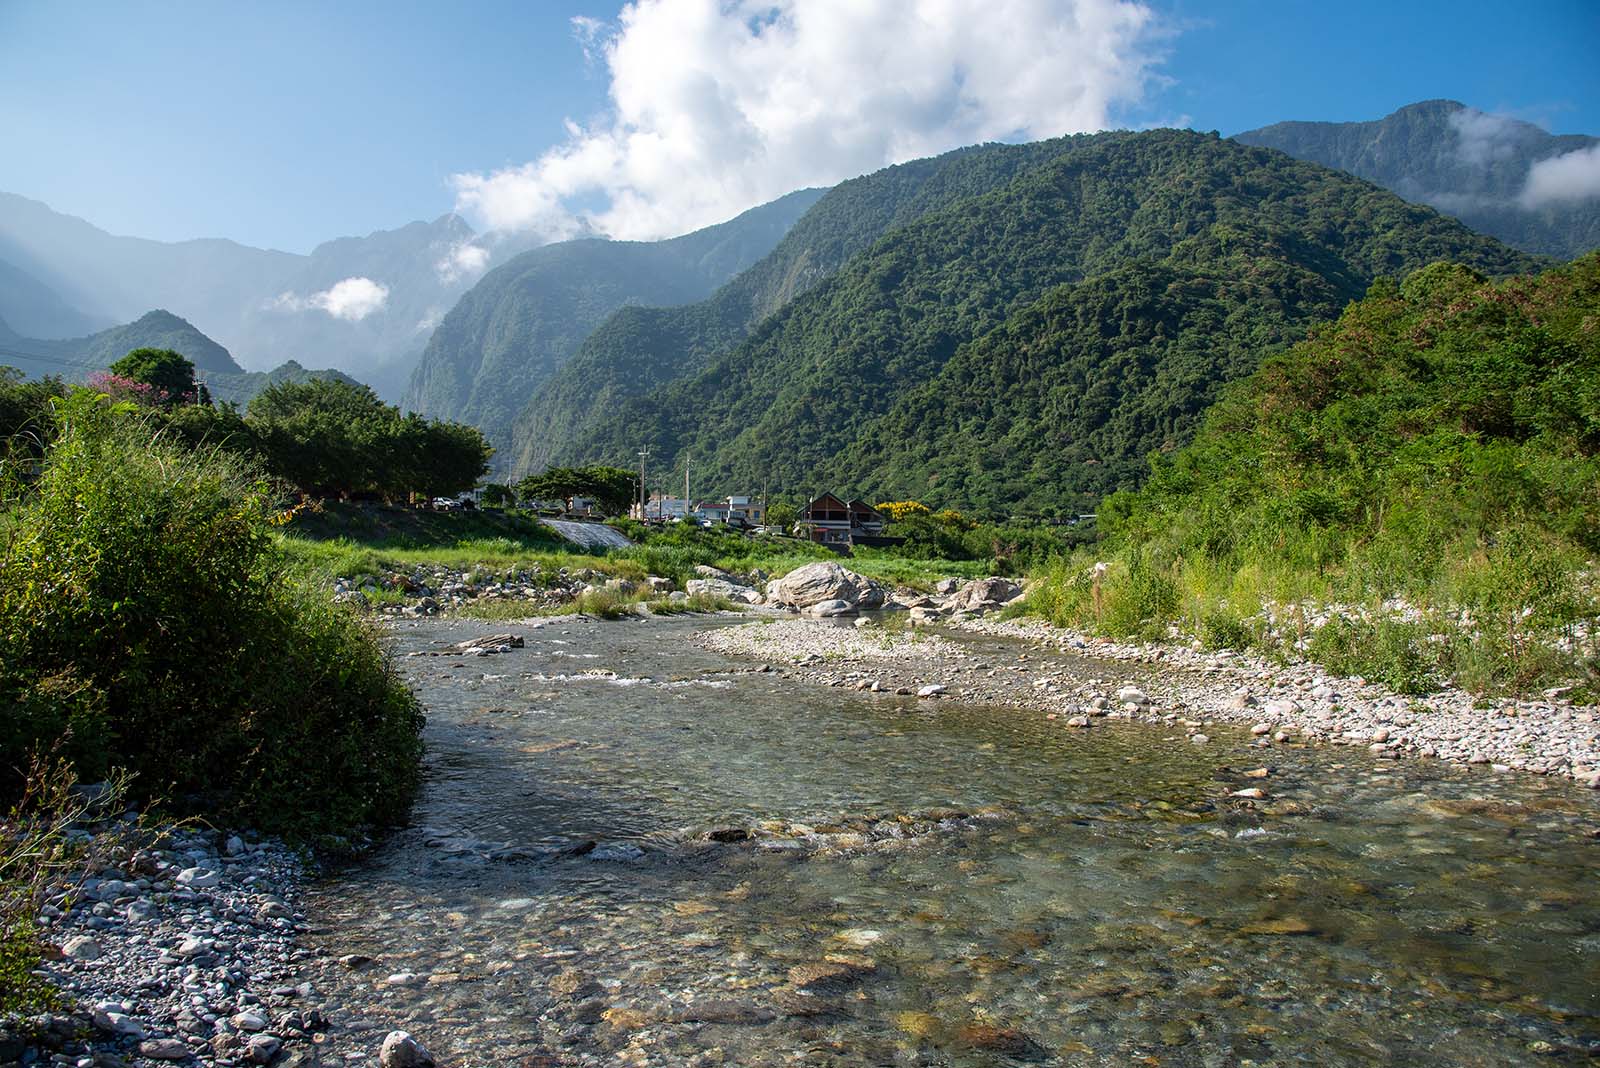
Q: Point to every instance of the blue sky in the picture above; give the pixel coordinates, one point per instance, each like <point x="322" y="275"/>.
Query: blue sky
<point x="288" y="123"/>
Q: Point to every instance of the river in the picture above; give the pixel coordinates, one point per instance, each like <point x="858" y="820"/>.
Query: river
<point x="934" y="884"/>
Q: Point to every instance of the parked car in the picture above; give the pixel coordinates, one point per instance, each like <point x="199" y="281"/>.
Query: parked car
<point x="445" y="504"/>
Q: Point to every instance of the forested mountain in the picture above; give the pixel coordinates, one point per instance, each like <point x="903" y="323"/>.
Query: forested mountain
<point x="640" y="348"/>
<point x="1462" y="161"/>
<point x="1027" y="345"/>
<point x="264" y="305"/>
<point x="74" y="359"/>
<point x="524" y="319"/>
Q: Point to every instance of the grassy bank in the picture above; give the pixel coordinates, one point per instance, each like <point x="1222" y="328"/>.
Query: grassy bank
<point x="354" y="541"/>
<point x="1412" y="494"/>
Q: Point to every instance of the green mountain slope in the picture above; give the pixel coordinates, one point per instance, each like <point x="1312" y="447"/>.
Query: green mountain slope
<point x="524" y="319"/>
<point x="1087" y="308"/>
<point x="1457" y="159"/>
<point x="640" y="348"/>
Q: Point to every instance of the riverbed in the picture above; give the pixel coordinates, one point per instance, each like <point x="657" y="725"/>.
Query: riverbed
<point x="632" y="850"/>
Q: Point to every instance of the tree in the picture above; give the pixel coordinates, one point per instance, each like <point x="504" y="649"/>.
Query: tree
<point x="172" y="373"/>
<point x="497" y="495"/>
<point x="611" y="488"/>
<point x="329" y="436"/>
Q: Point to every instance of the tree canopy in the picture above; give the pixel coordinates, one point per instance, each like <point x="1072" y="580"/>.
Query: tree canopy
<point x="612" y="488"/>
<point x="170" y="373"/>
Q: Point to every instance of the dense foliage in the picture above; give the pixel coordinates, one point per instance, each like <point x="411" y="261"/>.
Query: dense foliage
<point x="147" y="621"/>
<point x="169" y="373"/>
<point x="523" y="319"/>
<point x="1440" y="443"/>
<point x="330" y="437"/>
<point x="1002" y="350"/>
<point x="613" y="489"/>
<point x="1463" y="162"/>
<point x="638" y="348"/>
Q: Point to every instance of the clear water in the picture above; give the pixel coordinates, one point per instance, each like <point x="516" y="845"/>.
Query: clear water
<point x="1093" y="898"/>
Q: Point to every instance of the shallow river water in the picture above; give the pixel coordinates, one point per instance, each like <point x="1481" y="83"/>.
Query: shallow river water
<point x="932" y="884"/>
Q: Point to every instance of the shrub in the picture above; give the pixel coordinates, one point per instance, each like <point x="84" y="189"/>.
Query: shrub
<point x="149" y="621"/>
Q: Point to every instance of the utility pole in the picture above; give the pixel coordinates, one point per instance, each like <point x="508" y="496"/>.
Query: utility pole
<point x="687" y="507"/>
<point x="644" y="454"/>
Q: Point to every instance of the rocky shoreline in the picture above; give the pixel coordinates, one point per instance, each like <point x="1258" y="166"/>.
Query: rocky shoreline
<point x="1177" y="687"/>
<point x="179" y="949"/>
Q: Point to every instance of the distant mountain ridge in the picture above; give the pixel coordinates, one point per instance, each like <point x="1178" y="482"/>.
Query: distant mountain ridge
<point x="264" y="305"/>
<point x="1464" y="162"/>
<point x="74" y="359"/>
<point x="1026" y="346"/>
<point x="524" y="319"/>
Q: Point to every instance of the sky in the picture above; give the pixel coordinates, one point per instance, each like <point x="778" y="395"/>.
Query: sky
<point x="285" y="124"/>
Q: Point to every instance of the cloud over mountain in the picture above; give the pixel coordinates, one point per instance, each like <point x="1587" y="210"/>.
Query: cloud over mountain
<point x="1562" y="179"/>
<point x="351" y="299"/>
<point x="717" y="106"/>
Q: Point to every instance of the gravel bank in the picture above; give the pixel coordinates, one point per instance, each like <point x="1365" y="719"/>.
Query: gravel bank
<point x="181" y="952"/>
<point x="1179" y="686"/>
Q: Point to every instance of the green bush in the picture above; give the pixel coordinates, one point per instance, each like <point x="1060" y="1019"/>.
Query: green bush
<point x="148" y="621"/>
<point x="1390" y="651"/>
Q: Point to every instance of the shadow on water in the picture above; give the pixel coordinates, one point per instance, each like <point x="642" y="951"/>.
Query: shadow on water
<point x="1101" y="895"/>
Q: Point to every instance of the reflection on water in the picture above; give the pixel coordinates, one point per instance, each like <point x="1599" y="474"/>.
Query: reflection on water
<point x="933" y="885"/>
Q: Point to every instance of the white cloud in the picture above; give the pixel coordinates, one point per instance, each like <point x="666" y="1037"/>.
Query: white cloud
<point x="1572" y="176"/>
<point x="464" y="260"/>
<point x="1484" y="138"/>
<point x="719" y="105"/>
<point x="351" y="299"/>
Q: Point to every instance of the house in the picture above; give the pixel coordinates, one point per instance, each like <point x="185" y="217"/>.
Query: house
<point x="664" y="507"/>
<point x="747" y="511"/>
<point x="837" y="523"/>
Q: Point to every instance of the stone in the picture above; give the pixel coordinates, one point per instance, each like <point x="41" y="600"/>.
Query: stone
<point x="400" y="1050"/>
<point x="199" y="878"/>
<point x="249" y="1021"/>
<point x="123" y="1024"/>
<point x="830" y="609"/>
<point x="721" y="587"/>
<point x="164" y="1049"/>
<point x="1253" y="793"/>
<point x="1078" y="721"/>
<point x="82" y="948"/>
<point x="261" y="1049"/>
<point x="985" y="594"/>
<point x="933" y="690"/>
<point x="234" y="847"/>
<point x="1239" y="702"/>
<point x="1261" y="728"/>
<point x="1199" y="739"/>
<point x="825" y="580"/>
<point x="1132" y="695"/>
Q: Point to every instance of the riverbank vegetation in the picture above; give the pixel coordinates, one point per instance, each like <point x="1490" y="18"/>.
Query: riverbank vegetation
<point x="150" y="622"/>
<point x="1428" y="465"/>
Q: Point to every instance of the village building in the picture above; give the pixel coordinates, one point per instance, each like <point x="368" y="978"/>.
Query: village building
<point x="832" y="521"/>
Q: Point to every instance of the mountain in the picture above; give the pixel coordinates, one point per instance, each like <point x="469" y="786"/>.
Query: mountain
<point x="1028" y="346"/>
<point x="358" y="302"/>
<point x="1466" y="163"/>
<point x="73" y="359"/>
<point x="640" y="348"/>
<point x="36" y="310"/>
<point x="524" y="319"/>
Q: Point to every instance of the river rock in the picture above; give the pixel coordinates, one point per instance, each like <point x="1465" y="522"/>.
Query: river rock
<point x="82" y="948"/>
<point x="400" y="1050"/>
<point x="721" y="587"/>
<point x="198" y="878"/>
<point x="164" y="1049"/>
<point x="825" y="581"/>
<point x="831" y="609"/>
<point x="985" y="594"/>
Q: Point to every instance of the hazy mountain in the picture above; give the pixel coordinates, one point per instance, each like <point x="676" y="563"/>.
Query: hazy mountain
<point x="360" y="302"/>
<point x="74" y="359"/>
<point x="526" y="317"/>
<point x="1028" y="344"/>
<point x="36" y="310"/>
<point x="1466" y="163"/>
